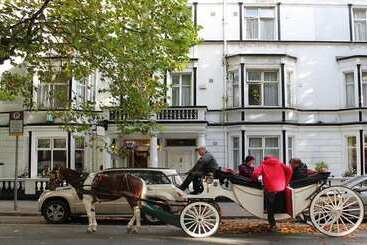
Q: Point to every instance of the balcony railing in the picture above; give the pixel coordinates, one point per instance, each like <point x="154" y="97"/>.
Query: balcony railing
<point x="182" y="114"/>
<point x="27" y="189"/>
<point x="170" y="114"/>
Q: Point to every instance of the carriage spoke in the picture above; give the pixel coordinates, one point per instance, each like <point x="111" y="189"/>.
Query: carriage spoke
<point x="208" y="223"/>
<point x="345" y="226"/>
<point x="351" y="209"/>
<point x="349" y="221"/>
<point x="351" y="215"/>
<point x="323" y="207"/>
<point x="350" y="204"/>
<point x="323" y="217"/>
<point x="204" y="211"/>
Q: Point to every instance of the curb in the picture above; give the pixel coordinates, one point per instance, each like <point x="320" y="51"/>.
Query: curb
<point x="19" y="214"/>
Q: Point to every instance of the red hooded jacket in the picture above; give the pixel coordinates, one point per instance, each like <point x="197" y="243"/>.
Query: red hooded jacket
<point x="275" y="174"/>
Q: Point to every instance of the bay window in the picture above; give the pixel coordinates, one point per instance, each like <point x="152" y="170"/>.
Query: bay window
<point x="349" y="89"/>
<point x="181" y="89"/>
<point x="236" y="151"/>
<point x="260" y="23"/>
<point x="364" y="88"/>
<point x="263" y="88"/>
<point x="233" y="89"/>
<point x="260" y="146"/>
<point x="79" y="153"/>
<point x="352" y="153"/>
<point x="360" y="24"/>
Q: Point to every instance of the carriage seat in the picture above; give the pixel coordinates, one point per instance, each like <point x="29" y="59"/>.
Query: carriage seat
<point x="236" y="179"/>
<point x="310" y="180"/>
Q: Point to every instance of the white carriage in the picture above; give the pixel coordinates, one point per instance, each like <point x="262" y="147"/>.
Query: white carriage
<point x="334" y="211"/>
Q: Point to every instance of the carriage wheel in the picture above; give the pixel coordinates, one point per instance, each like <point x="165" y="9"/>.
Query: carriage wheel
<point x="336" y="211"/>
<point x="200" y="219"/>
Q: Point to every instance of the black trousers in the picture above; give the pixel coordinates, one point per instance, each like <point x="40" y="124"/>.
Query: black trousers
<point x="196" y="182"/>
<point x="270" y="206"/>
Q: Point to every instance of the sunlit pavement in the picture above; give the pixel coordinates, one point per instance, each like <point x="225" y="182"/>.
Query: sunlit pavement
<point x="19" y="234"/>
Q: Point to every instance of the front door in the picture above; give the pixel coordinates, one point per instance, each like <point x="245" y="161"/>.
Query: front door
<point x="181" y="160"/>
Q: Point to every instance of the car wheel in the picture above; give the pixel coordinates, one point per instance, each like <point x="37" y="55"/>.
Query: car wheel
<point x="56" y="211"/>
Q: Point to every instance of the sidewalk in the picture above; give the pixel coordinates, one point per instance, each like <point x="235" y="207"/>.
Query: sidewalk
<point x="30" y="208"/>
<point x="25" y="208"/>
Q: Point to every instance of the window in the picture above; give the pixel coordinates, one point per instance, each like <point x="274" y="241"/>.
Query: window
<point x="54" y="94"/>
<point x="263" y="88"/>
<point x="79" y="153"/>
<point x="289" y="88"/>
<point x="260" y="23"/>
<point x="233" y="89"/>
<point x="260" y="146"/>
<point x="365" y="155"/>
<point x="364" y="88"/>
<point x="181" y="89"/>
<point x="290" y="148"/>
<point x="236" y="151"/>
<point x="360" y="24"/>
<point x="84" y="90"/>
<point x="352" y="153"/>
<point x="349" y="89"/>
<point x="50" y="153"/>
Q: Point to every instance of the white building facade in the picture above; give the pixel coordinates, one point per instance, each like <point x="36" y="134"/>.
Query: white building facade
<point x="285" y="77"/>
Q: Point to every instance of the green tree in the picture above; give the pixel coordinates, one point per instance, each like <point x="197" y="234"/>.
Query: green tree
<point x="131" y="43"/>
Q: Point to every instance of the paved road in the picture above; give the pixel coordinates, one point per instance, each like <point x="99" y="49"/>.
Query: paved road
<point x="32" y="234"/>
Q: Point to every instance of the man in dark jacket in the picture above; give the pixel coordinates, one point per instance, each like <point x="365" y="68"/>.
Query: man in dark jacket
<point x="299" y="169"/>
<point x="204" y="166"/>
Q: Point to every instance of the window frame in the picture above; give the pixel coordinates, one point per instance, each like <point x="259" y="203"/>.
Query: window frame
<point x="354" y="20"/>
<point x="263" y="146"/>
<point x="76" y="148"/>
<point x="51" y="148"/>
<point x="261" y="82"/>
<point x="355" y="148"/>
<point x="180" y="86"/>
<point x="363" y="83"/>
<point x="50" y="102"/>
<point x="231" y="84"/>
<point x="258" y="18"/>
<point x="236" y="150"/>
<point x="346" y="83"/>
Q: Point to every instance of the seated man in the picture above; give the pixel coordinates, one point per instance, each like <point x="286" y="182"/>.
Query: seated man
<point x="204" y="166"/>
<point x="299" y="169"/>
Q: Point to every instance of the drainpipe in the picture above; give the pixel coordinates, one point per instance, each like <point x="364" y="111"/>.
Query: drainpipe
<point x="224" y="99"/>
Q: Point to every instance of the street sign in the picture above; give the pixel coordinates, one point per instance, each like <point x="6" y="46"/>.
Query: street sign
<point x="16" y="123"/>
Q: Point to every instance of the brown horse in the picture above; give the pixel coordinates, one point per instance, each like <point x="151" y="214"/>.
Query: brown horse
<point x="100" y="187"/>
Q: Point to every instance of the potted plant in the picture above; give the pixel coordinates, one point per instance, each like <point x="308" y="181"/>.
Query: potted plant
<point x="321" y="167"/>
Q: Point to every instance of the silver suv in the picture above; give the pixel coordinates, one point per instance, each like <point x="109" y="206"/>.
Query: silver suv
<point x="59" y="205"/>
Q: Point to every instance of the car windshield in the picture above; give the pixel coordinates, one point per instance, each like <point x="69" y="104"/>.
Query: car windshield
<point x="152" y="177"/>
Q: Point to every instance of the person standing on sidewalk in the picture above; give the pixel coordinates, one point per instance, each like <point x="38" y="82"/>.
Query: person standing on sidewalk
<point x="275" y="177"/>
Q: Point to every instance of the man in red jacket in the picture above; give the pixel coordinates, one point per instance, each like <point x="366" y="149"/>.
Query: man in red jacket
<point x="275" y="177"/>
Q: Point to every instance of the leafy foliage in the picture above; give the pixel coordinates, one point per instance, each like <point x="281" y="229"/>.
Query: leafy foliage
<point x="130" y="43"/>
